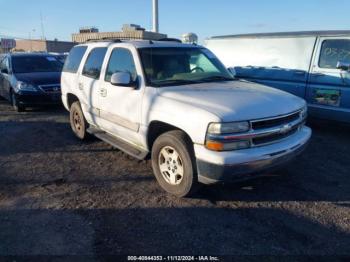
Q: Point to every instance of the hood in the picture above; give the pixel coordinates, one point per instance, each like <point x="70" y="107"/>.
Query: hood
<point x="45" y="78"/>
<point x="236" y="100"/>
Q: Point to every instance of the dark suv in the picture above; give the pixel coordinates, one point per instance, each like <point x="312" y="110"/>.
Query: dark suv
<point x="28" y="79"/>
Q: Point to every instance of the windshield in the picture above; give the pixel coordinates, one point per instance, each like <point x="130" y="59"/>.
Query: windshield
<point x="36" y="64"/>
<point x="180" y="66"/>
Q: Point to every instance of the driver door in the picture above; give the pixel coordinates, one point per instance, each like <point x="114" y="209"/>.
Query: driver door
<point x="120" y="106"/>
<point x="328" y="92"/>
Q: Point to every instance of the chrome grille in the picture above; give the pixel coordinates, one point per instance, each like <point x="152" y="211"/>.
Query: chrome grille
<point x="271" y="130"/>
<point x="271" y="122"/>
<point x="52" y="89"/>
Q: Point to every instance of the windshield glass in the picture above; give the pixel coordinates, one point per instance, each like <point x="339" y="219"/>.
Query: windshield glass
<point x="180" y="66"/>
<point x="36" y="64"/>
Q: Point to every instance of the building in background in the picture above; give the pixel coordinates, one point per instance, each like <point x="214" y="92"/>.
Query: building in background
<point x="55" y="46"/>
<point x="190" y="38"/>
<point x="129" y="32"/>
<point x="6" y="45"/>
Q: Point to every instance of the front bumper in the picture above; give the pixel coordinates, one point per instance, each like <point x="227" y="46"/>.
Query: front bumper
<point x="214" y="167"/>
<point x="38" y="98"/>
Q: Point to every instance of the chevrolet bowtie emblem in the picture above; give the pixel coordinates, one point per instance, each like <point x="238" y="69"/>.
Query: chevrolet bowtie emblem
<point x="285" y="129"/>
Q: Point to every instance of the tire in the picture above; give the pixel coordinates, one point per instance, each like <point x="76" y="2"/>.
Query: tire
<point x="174" y="164"/>
<point x="78" y="122"/>
<point x="15" y="104"/>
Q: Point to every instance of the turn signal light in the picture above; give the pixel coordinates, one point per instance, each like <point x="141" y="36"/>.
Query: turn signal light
<point x="215" y="146"/>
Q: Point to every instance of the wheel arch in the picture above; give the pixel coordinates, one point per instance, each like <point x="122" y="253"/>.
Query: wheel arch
<point x="71" y="98"/>
<point x="157" y="128"/>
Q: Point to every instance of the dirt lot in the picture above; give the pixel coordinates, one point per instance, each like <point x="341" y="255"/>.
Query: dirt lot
<point x="61" y="196"/>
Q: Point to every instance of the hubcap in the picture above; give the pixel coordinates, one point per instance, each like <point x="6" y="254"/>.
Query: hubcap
<point x="77" y="121"/>
<point x="171" y="165"/>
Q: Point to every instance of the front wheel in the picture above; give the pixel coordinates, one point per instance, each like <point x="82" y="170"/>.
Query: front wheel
<point x="174" y="164"/>
<point x="15" y="104"/>
<point x="77" y="121"/>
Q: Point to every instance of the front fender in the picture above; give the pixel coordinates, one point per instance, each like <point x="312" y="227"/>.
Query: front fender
<point x="192" y="120"/>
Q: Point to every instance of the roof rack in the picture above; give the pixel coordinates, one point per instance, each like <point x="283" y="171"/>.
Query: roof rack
<point x="170" y="40"/>
<point x="104" y="40"/>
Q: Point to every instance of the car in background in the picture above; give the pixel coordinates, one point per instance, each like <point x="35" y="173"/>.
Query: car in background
<point x="60" y="56"/>
<point x="313" y="65"/>
<point x="30" y="79"/>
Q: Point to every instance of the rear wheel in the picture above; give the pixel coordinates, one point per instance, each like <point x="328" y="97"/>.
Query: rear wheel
<point x="174" y="164"/>
<point x="15" y="104"/>
<point x="77" y="121"/>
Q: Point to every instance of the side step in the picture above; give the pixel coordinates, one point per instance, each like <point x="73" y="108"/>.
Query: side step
<point x="118" y="143"/>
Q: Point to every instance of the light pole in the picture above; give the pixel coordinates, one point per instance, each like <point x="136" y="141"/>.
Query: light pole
<point x="30" y="39"/>
<point x="155" y="17"/>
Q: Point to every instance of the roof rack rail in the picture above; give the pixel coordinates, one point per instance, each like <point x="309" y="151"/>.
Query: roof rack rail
<point x="170" y="40"/>
<point x="115" y="40"/>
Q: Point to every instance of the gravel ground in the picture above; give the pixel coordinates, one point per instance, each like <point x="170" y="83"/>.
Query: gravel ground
<point x="60" y="196"/>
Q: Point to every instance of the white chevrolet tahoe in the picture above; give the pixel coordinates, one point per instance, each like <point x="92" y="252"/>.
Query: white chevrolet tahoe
<point x="178" y="104"/>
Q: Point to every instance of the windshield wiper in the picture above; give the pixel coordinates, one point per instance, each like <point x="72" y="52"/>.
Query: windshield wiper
<point x="175" y="82"/>
<point x="216" y="78"/>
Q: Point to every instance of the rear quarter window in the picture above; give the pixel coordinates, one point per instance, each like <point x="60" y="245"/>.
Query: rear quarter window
<point x="74" y="59"/>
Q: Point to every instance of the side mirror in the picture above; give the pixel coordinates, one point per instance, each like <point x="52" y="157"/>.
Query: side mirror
<point x="344" y="66"/>
<point x="232" y="71"/>
<point x="121" y="79"/>
<point x="5" y="71"/>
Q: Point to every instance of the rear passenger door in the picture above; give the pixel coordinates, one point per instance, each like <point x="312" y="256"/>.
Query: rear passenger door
<point x="89" y="83"/>
<point x="328" y="91"/>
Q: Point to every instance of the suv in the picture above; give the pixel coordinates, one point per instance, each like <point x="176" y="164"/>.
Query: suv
<point x="30" y="79"/>
<point x="179" y="104"/>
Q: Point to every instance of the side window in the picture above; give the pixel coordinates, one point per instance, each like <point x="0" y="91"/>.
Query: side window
<point x="74" y="58"/>
<point x="4" y="64"/>
<point x="334" y="51"/>
<point x="121" y="60"/>
<point x="93" y="64"/>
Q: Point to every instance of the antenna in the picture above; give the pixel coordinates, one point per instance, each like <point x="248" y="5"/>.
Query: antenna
<point x="42" y="27"/>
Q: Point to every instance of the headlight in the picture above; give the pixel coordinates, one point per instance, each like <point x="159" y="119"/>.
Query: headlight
<point x="216" y="131"/>
<point x="22" y="86"/>
<point x="228" y="128"/>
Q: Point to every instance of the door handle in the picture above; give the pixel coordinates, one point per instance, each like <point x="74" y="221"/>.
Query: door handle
<point x="103" y="92"/>
<point x="318" y="74"/>
<point x="81" y="86"/>
<point x="300" y="73"/>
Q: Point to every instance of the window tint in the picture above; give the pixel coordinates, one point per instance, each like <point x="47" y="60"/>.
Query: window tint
<point x="121" y="61"/>
<point x="333" y="51"/>
<point x="73" y="60"/>
<point x="93" y="65"/>
<point x="35" y="64"/>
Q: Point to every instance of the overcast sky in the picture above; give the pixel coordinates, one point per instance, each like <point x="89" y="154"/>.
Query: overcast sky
<point x="19" y="18"/>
